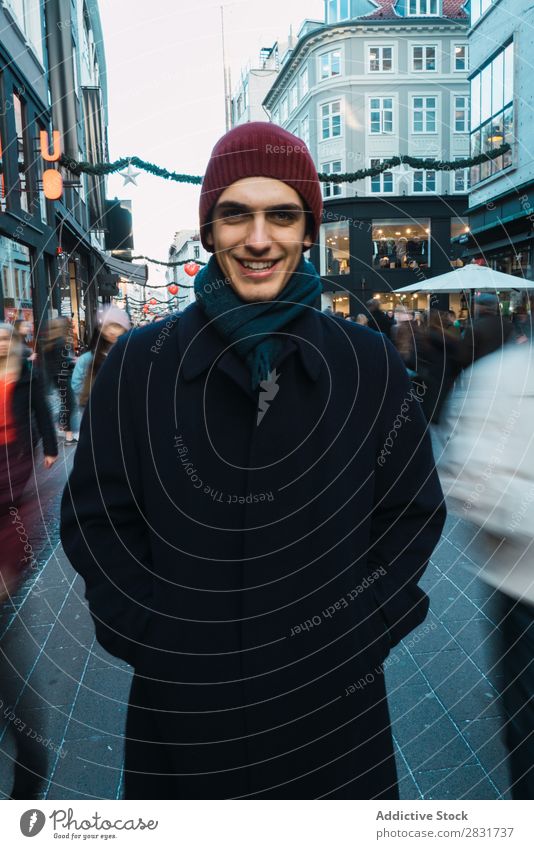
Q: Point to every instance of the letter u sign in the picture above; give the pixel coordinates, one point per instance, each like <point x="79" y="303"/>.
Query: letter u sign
<point x="56" y="149"/>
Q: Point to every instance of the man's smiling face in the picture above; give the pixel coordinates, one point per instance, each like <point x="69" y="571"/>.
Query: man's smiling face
<point x="258" y="234"/>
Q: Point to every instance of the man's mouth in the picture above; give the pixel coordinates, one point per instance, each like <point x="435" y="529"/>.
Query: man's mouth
<point x="257" y="268"/>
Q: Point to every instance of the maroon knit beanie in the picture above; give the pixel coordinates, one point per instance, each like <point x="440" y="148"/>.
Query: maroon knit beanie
<point x="260" y="149"/>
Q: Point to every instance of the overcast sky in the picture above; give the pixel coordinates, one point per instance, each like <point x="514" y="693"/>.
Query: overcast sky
<point x="166" y="96"/>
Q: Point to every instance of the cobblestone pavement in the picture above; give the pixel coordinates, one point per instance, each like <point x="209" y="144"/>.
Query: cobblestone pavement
<point x="442" y="682"/>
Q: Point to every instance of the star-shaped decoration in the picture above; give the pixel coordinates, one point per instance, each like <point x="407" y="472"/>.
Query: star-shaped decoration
<point x="130" y="176"/>
<point x="403" y="169"/>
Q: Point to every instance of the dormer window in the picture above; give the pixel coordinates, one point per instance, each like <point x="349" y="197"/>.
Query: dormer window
<point x="337" y="10"/>
<point x="423" y="8"/>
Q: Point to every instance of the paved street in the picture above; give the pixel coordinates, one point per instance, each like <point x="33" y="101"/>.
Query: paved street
<point x="442" y="686"/>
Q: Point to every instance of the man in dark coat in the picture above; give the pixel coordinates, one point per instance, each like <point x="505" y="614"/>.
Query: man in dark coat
<point x="252" y="504"/>
<point x="487" y="333"/>
<point x="378" y="320"/>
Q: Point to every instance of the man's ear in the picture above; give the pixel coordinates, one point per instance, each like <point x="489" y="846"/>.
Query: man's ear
<point x="307" y="243"/>
<point x="209" y="237"/>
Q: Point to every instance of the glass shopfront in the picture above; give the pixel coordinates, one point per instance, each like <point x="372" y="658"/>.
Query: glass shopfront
<point x="15" y="273"/>
<point x="335" y="253"/>
<point x="401" y="243"/>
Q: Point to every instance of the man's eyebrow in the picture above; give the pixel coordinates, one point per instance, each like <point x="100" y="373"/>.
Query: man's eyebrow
<point x="243" y="207"/>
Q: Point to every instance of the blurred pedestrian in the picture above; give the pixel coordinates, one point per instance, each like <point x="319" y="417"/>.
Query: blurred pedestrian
<point x="487" y="474"/>
<point x="378" y="320"/>
<point x="437" y="361"/>
<point x="58" y="356"/>
<point x="487" y="332"/>
<point x="24" y="330"/>
<point x="112" y="323"/>
<point x="24" y="419"/>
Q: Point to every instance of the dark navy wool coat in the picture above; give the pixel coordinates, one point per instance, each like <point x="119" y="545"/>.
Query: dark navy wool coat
<point x="255" y="570"/>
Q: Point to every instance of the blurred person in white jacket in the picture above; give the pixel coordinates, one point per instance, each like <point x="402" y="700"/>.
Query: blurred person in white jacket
<point x="487" y="475"/>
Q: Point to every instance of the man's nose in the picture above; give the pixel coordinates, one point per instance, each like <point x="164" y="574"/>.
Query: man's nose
<point x="258" y="236"/>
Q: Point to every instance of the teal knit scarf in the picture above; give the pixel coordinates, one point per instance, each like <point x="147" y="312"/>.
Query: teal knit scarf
<point x="249" y="327"/>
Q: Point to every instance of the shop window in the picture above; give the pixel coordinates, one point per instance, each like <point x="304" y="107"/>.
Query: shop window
<point x="15" y="268"/>
<point x="398" y="243"/>
<point x="334" y="246"/>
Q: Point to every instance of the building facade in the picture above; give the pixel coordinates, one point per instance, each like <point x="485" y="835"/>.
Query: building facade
<point x="27" y="233"/>
<point x="376" y="80"/>
<point x="53" y="257"/>
<point x="254" y="83"/>
<point x="186" y="247"/>
<point x="501" y="203"/>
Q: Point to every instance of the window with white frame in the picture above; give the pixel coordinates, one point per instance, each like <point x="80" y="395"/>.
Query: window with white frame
<point x="478" y="8"/>
<point x="293" y="97"/>
<point x="331" y="125"/>
<point x="331" y="190"/>
<point x="424" y="181"/>
<point x="461" y="113"/>
<point x="461" y="177"/>
<point x="423" y="8"/>
<point x="304" y="81"/>
<point x="424" y="57"/>
<point x="329" y="64"/>
<point x="380" y="115"/>
<point x="380" y="58"/>
<point x="276" y="116"/>
<point x="305" y="130"/>
<point x="284" y="111"/>
<point x="381" y="183"/>
<point x="337" y="10"/>
<point x="461" y="57"/>
<point x="424" y="112"/>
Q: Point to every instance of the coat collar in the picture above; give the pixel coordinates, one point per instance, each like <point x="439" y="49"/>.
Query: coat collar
<point x="201" y="345"/>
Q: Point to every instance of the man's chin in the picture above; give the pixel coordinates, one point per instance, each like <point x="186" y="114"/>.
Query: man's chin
<point x="250" y="292"/>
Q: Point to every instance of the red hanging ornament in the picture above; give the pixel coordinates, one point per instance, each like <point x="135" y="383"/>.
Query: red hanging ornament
<point x="153" y="301"/>
<point x="145" y="308"/>
<point x="191" y="268"/>
<point x="173" y="289"/>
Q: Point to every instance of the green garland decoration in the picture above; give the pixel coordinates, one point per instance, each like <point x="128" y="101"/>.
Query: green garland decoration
<point x="169" y="264"/>
<point x="103" y="168"/>
<point x="415" y="163"/>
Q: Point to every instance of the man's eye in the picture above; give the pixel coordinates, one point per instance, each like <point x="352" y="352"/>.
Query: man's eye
<point x="233" y="217"/>
<point x="284" y="215"/>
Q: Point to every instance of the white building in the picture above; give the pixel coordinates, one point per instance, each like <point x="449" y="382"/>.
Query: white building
<point x="186" y="246"/>
<point x="377" y="79"/>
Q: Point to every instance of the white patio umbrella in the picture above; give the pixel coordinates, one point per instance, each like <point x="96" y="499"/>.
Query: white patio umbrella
<point x="472" y="276"/>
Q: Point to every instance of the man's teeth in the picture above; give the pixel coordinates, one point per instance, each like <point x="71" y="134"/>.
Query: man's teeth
<point x="257" y="266"/>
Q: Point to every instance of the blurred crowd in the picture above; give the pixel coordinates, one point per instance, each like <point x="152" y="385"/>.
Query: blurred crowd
<point x="476" y="381"/>
<point x="43" y="391"/>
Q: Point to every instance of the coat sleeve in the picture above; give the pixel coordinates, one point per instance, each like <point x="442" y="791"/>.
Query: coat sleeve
<point x="79" y="372"/>
<point x="103" y="530"/>
<point x="409" y="511"/>
<point x="42" y="415"/>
